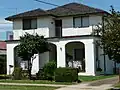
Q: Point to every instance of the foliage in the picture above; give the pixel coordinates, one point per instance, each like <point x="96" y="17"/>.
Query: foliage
<point x="99" y="69"/>
<point x="3" y="64"/>
<point x="25" y="74"/>
<point x="110" y="35"/>
<point x="66" y="75"/>
<point x="23" y="87"/>
<point x="30" y="45"/>
<point x="93" y="78"/>
<point x="17" y="73"/>
<point x="48" y="71"/>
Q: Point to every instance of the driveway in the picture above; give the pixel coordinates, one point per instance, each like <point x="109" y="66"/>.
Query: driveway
<point x="94" y="85"/>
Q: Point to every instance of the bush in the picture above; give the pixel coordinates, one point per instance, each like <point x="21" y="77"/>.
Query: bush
<point x="99" y="69"/>
<point x="17" y="74"/>
<point x="4" y="77"/>
<point x="47" y="73"/>
<point x="66" y="75"/>
<point x="24" y="74"/>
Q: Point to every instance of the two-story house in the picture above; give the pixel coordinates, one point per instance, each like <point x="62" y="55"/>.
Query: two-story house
<point x="69" y="29"/>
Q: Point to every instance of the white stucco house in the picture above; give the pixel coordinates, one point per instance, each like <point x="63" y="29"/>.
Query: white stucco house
<point x="69" y="29"/>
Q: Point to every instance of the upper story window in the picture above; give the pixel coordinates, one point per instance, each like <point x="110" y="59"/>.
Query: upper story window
<point x="81" y="21"/>
<point x="29" y="24"/>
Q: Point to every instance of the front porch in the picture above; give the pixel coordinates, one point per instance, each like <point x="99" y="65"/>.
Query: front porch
<point x="67" y="52"/>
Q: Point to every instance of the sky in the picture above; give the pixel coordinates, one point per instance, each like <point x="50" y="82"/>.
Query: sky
<point x="11" y="7"/>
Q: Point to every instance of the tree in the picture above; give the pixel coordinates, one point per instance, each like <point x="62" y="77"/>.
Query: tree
<point x="30" y="45"/>
<point x="110" y="35"/>
<point x="3" y="64"/>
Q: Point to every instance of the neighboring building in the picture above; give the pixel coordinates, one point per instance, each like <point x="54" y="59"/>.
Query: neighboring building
<point x="9" y="35"/>
<point x="2" y="48"/>
<point x="69" y="30"/>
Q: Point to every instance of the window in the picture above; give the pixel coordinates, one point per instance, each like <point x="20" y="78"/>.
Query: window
<point x="81" y="22"/>
<point x="29" y="24"/>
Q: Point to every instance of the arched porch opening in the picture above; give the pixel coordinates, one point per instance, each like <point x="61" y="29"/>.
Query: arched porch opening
<point x="53" y="52"/>
<point x="18" y="61"/>
<point x="75" y="55"/>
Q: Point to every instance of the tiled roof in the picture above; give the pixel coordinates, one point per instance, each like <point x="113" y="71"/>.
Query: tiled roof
<point x="74" y="9"/>
<point x="65" y="10"/>
<point x="32" y="13"/>
<point x="2" y="45"/>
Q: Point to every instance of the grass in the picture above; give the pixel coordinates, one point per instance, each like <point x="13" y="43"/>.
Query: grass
<point x="93" y="78"/>
<point x="6" y="87"/>
<point x="35" y="82"/>
<point x="82" y="78"/>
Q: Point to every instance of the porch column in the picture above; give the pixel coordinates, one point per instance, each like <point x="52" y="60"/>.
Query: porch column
<point x="10" y="57"/>
<point x="61" y="62"/>
<point x="90" y="58"/>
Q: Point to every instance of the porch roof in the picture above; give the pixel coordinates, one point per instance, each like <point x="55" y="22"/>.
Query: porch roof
<point x="56" y="38"/>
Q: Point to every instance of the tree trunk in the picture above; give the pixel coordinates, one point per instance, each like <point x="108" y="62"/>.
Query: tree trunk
<point x="29" y="69"/>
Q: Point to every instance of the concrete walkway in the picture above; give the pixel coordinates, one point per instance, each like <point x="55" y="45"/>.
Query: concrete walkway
<point x="94" y="85"/>
<point x="26" y="84"/>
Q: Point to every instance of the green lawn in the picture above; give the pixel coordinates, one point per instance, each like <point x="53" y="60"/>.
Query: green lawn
<point x="93" y="78"/>
<point x="82" y="78"/>
<point x="6" y="87"/>
<point x="36" y="82"/>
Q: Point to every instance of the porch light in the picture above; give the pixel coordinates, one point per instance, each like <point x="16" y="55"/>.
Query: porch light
<point x="61" y="49"/>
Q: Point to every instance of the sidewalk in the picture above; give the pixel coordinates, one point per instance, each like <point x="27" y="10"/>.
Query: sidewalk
<point x="26" y="84"/>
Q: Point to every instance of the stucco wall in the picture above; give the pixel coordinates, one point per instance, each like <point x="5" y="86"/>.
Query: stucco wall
<point x="44" y="58"/>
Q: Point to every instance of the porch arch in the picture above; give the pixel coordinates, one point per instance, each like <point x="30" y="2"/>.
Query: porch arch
<point x="75" y="55"/>
<point x="53" y="52"/>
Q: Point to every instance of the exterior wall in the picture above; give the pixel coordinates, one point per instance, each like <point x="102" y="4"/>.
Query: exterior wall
<point x="44" y="58"/>
<point x="45" y="27"/>
<point x="3" y="52"/>
<point x="108" y="63"/>
<point x="10" y="56"/>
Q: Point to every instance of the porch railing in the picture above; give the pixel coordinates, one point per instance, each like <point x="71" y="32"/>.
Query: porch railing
<point x="58" y="31"/>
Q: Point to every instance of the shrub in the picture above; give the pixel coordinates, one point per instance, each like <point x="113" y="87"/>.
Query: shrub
<point x="99" y="69"/>
<point x="4" y="77"/>
<point x="47" y="73"/>
<point x="40" y="75"/>
<point x="17" y="74"/>
<point x="66" y="75"/>
<point x="25" y="74"/>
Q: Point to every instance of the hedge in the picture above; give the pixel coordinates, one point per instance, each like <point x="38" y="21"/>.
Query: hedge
<point x="47" y="73"/>
<point x="17" y="74"/>
<point x="66" y="75"/>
